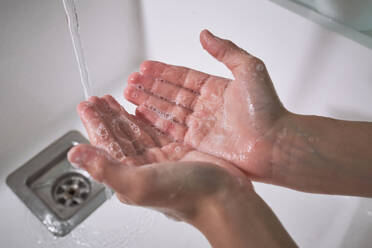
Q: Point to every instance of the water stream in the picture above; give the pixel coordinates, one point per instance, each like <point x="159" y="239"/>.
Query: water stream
<point x="73" y="25"/>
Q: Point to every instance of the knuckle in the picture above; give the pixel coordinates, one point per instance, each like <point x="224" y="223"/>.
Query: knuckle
<point x="257" y="61"/>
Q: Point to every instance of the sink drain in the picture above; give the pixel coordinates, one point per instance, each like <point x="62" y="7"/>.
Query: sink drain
<point x="71" y="190"/>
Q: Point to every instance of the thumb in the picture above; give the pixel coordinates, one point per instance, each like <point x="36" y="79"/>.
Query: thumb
<point x="236" y="59"/>
<point x="100" y="165"/>
<point x="132" y="184"/>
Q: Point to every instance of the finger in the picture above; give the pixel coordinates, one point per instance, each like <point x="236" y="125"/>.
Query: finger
<point x="175" y="151"/>
<point x="103" y="167"/>
<point x="100" y="164"/>
<point x="145" y="186"/>
<point x="176" y="186"/>
<point x="100" y="134"/>
<point x="171" y="152"/>
<point x="120" y="143"/>
<point x="160" y="88"/>
<point x="166" y="109"/>
<point x="236" y="59"/>
<point x="159" y="137"/>
<point x="135" y="95"/>
<point x="127" y="124"/>
<point x="181" y="76"/>
<point x="175" y="130"/>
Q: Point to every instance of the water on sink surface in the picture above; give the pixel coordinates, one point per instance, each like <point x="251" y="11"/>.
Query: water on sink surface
<point x="101" y="230"/>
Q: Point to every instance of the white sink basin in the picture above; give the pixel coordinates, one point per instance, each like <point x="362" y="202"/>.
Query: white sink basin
<point x="314" y="70"/>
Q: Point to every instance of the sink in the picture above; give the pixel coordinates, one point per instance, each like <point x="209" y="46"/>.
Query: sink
<point x="58" y="194"/>
<point x="349" y="18"/>
<point x="40" y="89"/>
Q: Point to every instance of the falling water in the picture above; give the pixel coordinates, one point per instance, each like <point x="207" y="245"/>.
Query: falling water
<point x="73" y="24"/>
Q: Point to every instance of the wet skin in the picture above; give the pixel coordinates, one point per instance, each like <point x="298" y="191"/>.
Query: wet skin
<point x="146" y="168"/>
<point x="236" y="120"/>
<point x="197" y="140"/>
<point x="242" y="121"/>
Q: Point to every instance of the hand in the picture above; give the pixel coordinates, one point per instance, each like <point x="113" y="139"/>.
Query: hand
<point x="136" y="161"/>
<point x="236" y="120"/>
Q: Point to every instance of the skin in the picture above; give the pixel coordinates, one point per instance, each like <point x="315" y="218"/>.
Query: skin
<point x="139" y="163"/>
<point x="243" y="121"/>
<point x="236" y="120"/>
<point x="222" y="133"/>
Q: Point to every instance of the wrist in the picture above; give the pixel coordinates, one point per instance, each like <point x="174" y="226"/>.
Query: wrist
<point x="221" y="217"/>
<point x="323" y="155"/>
<point x="286" y="148"/>
<point x="295" y="157"/>
<point x="240" y="218"/>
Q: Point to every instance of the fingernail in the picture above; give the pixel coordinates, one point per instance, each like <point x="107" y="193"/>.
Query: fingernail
<point x="74" y="160"/>
<point x="75" y="165"/>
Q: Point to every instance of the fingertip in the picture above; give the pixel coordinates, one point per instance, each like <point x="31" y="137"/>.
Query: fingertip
<point x="134" y="78"/>
<point x="146" y="66"/>
<point x="126" y="92"/>
<point x="206" y="37"/>
<point x="81" y="107"/>
<point x="205" y="33"/>
<point x="113" y="103"/>
<point x="91" y="159"/>
<point x="71" y="154"/>
<point x="153" y="68"/>
<point x="75" y="154"/>
<point x="203" y="37"/>
<point x="134" y="95"/>
<point x="93" y="99"/>
<point x="108" y="97"/>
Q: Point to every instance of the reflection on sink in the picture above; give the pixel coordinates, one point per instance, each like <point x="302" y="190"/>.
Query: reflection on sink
<point x="59" y="195"/>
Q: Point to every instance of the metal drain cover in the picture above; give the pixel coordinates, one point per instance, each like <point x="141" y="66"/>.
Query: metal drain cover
<point x="71" y="190"/>
<point x="59" y="195"/>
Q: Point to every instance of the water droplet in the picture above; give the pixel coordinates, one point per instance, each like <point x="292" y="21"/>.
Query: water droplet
<point x="114" y="147"/>
<point x="260" y="67"/>
<point x="177" y="149"/>
<point x="134" y="128"/>
<point x="102" y="131"/>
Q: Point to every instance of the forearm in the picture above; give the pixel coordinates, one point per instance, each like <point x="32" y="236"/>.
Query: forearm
<point x="242" y="220"/>
<point x="323" y="155"/>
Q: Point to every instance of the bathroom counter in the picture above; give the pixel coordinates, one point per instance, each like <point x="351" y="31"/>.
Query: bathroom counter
<point x="314" y="70"/>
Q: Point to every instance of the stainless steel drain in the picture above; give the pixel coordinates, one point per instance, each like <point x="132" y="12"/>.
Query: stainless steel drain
<point x="71" y="190"/>
<point x="59" y="195"/>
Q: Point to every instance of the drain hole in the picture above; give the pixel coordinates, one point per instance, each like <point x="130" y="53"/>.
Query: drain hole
<point x="71" y="190"/>
<point x="59" y="190"/>
<point x="82" y="185"/>
<point x="61" y="201"/>
<point x="84" y="195"/>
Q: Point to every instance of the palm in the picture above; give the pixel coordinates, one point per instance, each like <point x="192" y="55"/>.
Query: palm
<point x="130" y="139"/>
<point x="233" y="120"/>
